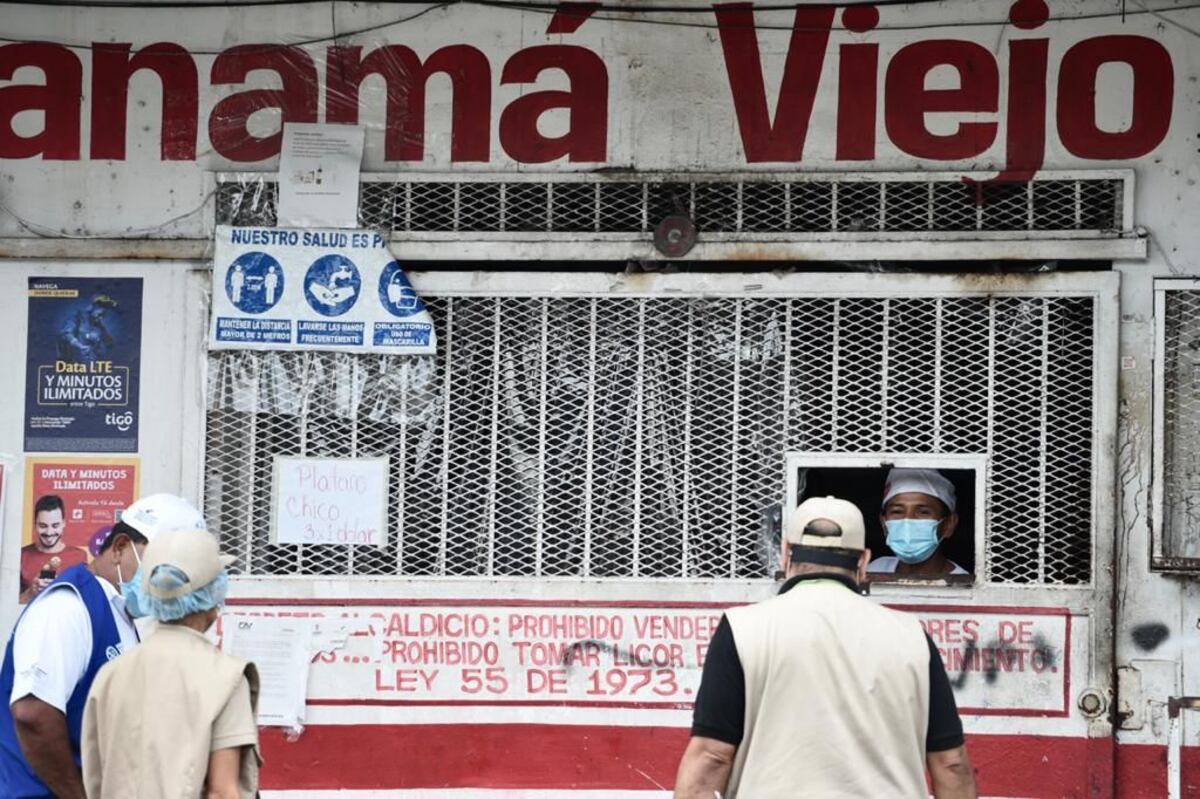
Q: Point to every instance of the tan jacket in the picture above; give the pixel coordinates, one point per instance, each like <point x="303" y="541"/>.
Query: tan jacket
<point x="837" y="697"/>
<point x="148" y="722"/>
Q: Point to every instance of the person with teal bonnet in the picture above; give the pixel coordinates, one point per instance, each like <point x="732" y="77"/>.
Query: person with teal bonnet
<point x="177" y="686"/>
<point x="918" y="514"/>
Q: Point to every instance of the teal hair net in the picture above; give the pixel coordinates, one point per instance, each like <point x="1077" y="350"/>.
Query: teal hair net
<point x="139" y="603"/>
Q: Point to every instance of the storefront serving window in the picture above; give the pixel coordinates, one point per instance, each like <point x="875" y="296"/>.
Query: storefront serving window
<point x="866" y="480"/>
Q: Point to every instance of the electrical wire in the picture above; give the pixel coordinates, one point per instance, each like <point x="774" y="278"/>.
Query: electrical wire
<point x="538" y="8"/>
<point x="336" y="36"/>
<point x="42" y="231"/>
<point x="550" y="8"/>
<point x="646" y="9"/>
<point x="1157" y="13"/>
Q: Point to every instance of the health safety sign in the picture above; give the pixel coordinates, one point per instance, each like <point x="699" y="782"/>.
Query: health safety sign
<point x="330" y="290"/>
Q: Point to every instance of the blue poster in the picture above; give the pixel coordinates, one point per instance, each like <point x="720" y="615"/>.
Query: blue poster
<point x="326" y="290"/>
<point x="83" y="364"/>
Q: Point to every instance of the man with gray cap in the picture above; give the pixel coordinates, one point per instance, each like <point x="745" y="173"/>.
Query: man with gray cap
<point x="918" y="514"/>
<point x="71" y="628"/>
<point x="821" y="692"/>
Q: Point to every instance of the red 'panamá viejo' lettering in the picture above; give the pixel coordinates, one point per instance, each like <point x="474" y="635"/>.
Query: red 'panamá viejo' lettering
<point x="987" y="85"/>
<point x="403" y="72"/>
<point x="781" y="136"/>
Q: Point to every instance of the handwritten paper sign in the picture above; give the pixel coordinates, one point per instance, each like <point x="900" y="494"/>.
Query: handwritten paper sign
<point x="330" y="501"/>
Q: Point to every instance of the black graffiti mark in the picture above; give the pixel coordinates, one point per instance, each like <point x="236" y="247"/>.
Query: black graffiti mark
<point x="575" y="654"/>
<point x="1148" y="637"/>
<point x="958" y="682"/>
<point x="997" y="658"/>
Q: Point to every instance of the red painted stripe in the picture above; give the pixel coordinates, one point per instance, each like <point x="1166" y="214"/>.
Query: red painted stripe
<point x="1142" y="771"/>
<point x="366" y="757"/>
<point x="630" y="758"/>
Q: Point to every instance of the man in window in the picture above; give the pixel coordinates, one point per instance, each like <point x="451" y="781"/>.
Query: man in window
<point x="918" y="514"/>
<point x="821" y="692"/>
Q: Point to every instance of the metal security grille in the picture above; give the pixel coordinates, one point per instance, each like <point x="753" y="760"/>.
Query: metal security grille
<point x="616" y="436"/>
<point x="613" y="205"/>
<point x="1179" y="416"/>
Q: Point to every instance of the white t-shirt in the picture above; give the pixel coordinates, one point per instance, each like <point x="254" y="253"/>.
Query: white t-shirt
<point x="887" y="565"/>
<point x="53" y="644"/>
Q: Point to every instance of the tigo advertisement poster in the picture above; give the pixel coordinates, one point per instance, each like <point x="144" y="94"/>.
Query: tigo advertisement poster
<point x="70" y="505"/>
<point x="83" y="360"/>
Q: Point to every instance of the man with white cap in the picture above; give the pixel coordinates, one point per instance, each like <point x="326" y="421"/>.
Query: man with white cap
<point x="72" y="628"/>
<point x="202" y="699"/>
<point x="917" y="514"/>
<point x="821" y="692"/>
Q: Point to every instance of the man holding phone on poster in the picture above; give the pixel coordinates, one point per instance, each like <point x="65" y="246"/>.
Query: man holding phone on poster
<point x="48" y="555"/>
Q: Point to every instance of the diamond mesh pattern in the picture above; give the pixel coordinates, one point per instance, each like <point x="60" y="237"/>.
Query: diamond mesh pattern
<point x="858" y="207"/>
<point x="1005" y="206"/>
<point x="1181" y="424"/>
<point x="479" y="206"/>
<point x="666" y="199"/>
<point x="812" y="207"/>
<point x="574" y="207"/>
<point x="644" y="437"/>
<point x="767" y="207"/>
<point x="760" y="205"/>
<point x="1017" y="478"/>
<point x="909" y="206"/>
<point x="1067" y="540"/>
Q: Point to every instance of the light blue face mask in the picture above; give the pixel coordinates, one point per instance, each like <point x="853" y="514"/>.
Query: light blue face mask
<point x="913" y="540"/>
<point x="128" y="588"/>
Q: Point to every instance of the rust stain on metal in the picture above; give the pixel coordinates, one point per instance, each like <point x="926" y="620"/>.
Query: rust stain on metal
<point x="766" y="252"/>
<point x="124" y="249"/>
<point x="994" y="282"/>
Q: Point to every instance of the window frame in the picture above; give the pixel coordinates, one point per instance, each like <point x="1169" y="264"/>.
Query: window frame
<point x="977" y="463"/>
<point x="1104" y="287"/>
<point x="1160" y="560"/>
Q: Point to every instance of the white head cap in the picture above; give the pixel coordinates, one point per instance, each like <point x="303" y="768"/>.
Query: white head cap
<point x="157" y="512"/>
<point x="920" y="481"/>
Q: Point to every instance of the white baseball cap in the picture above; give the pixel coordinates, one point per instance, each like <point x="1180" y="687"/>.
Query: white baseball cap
<point x="845" y="531"/>
<point x="929" y="482"/>
<point x="157" y="512"/>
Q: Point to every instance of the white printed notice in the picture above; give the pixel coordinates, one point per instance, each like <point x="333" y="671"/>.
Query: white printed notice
<point x="336" y="290"/>
<point x="280" y="650"/>
<point x="329" y="501"/>
<point x="318" y="175"/>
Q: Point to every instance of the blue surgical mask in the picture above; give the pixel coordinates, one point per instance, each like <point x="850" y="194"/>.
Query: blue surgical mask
<point x="129" y="590"/>
<point x="913" y="540"/>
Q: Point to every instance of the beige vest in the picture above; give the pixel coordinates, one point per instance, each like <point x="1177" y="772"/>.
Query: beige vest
<point x="149" y="716"/>
<point x="837" y="697"/>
